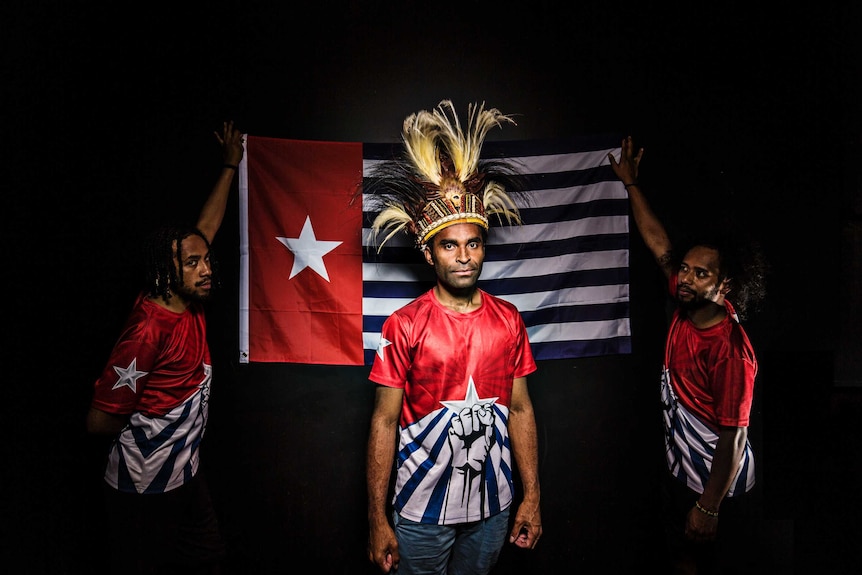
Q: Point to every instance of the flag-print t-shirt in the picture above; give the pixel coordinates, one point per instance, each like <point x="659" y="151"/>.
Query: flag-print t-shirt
<point x="454" y="462"/>
<point x="707" y="382"/>
<point x="159" y="374"/>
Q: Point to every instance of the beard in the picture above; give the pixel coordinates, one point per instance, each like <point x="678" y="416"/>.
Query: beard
<point x="696" y="300"/>
<point x="692" y="304"/>
<point x="193" y="294"/>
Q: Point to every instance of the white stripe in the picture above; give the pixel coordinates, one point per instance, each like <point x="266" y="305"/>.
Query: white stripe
<point x="533" y="301"/>
<point x="579" y="331"/>
<point x="554" y="163"/>
<point x="549" y="197"/>
<point x="559" y="231"/>
<point x="382" y="306"/>
<point x="590" y="295"/>
<point x="386" y="272"/>
<point x="368" y="166"/>
<point x="370" y="339"/>
<point x="243" y="260"/>
<point x="536" y="267"/>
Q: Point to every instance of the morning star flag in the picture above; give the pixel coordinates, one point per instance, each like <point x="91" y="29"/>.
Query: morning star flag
<point x="300" y="252"/>
<point x="313" y="288"/>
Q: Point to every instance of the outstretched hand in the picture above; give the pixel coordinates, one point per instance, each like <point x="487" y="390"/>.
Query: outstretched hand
<point x="627" y="167"/>
<point x="231" y="141"/>
<point x="212" y="212"/>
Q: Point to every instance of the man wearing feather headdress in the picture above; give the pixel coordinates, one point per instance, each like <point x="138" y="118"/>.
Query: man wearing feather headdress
<point x="451" y="366"/>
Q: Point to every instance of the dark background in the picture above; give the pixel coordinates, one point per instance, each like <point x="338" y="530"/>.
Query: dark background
<point x="751" y="115"/>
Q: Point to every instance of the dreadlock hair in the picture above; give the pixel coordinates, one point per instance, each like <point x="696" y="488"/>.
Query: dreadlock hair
<point x="743" y="263"/>
<point x="162" y="274"/>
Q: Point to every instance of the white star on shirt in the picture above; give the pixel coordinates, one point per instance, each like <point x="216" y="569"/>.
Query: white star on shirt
<point x="129" y="376"/>
<point x="308" y="251"/>
<point x="384" y="343"/>
<point x="470" y="399"/>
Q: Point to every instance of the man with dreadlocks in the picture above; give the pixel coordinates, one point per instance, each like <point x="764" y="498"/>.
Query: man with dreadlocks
<point x="451" y="366"/>
<point x="153" y="397"/>
<point x="707" y="385"/>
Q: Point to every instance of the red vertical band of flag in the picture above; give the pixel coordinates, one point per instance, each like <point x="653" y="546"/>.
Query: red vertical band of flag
<point x="302" y="190"/>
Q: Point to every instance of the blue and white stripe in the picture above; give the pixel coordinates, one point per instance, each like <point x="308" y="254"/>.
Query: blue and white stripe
<point x="566" y="268"/>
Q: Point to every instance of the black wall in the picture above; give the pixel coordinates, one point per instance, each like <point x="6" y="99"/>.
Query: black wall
<point x="109" y="114"/>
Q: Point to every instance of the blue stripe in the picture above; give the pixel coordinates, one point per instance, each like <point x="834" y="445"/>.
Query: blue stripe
<point x="548" y="146"/>
<point x="594" y="209"/>
<point x="398" y="290"/>
<point x="551" y="282"/>
<point x="576" y="313"/>
<point x="577" y="245"/>
<point x="591" y="348"/>
<point x="568" y="178"/>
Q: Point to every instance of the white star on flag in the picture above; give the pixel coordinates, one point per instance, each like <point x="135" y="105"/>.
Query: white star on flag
<point x="384" y="343"/>
<point x="129" y="376"/>
<point x="308" y="251"/>
<point x="470" y="399"/>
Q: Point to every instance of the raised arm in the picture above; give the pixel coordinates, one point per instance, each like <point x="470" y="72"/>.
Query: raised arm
<point x="213" y="210"/>
<point x="651" y="229"/>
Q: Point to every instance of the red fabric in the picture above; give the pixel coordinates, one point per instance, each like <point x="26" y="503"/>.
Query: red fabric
<point x="712" y="370"/>
<point x="304" y="319"/>
<point x="435" y="352"/>
<point x="159" y="360"/>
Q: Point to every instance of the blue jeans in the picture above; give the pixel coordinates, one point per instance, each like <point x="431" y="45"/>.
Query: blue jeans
<point x="464" y="549"/>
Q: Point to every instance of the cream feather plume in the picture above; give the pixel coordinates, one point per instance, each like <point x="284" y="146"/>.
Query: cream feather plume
<point x="440" y="162"/>
<point x="426" y="134"/>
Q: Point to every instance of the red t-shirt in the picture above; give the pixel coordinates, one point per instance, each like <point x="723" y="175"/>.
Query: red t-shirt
<point x="159" y="374"/>
<point x="454" y="457"/>
<point x="157" y="362"/>
<point x="434" y="351"/>
<point x="712" y="370"/>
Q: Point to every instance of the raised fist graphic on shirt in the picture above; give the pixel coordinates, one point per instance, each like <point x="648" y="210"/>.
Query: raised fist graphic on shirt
<point x="471" y="436"/>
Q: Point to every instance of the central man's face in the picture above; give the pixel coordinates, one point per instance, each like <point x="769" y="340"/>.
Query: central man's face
<point x="457" y="254"/>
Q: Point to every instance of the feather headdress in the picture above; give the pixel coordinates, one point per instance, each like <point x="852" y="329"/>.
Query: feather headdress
<point x="439" y="179"/>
